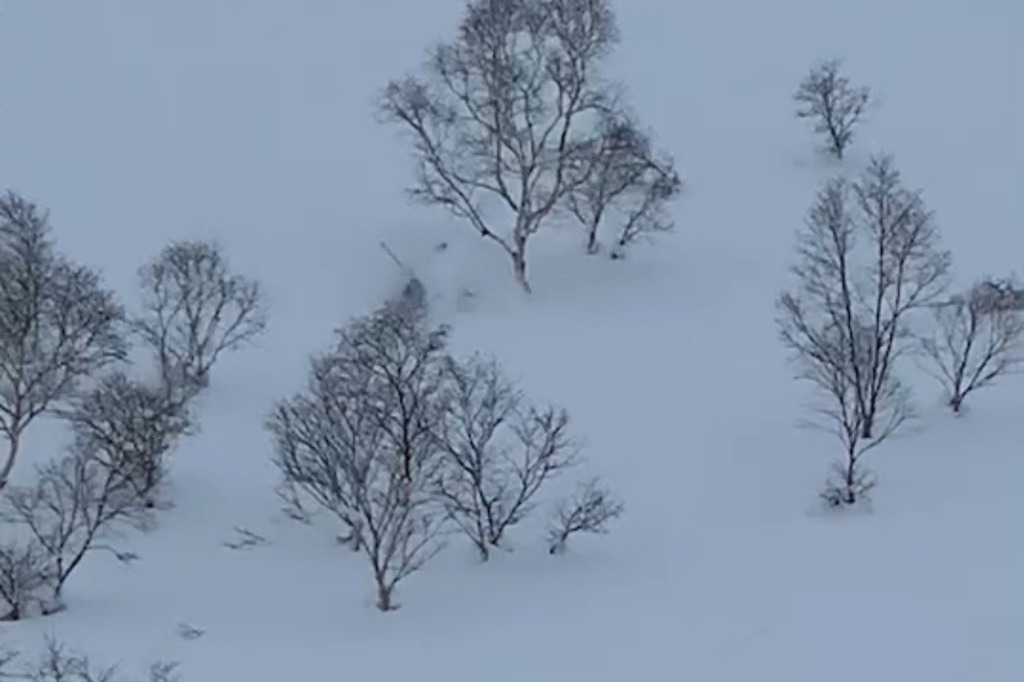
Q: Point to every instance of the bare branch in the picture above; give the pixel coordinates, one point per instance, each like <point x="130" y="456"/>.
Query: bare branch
<point x="195" y="310"/>
<point x="835" y="106"/>
<point x="245" y="539"/>
<point x="57" y="324"/>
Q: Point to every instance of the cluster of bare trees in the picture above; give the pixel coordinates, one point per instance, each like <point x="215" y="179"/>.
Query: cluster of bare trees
<point x="57" y="324"/>
<point x="403" y="444"/>
<point x="58" y="663"/>
<point x="513" y="126"/>
<point x="869" y="269"/>
<point x="64" y="342"/>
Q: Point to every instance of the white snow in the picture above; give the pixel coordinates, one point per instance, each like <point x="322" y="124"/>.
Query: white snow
<point x="252" y="122"/>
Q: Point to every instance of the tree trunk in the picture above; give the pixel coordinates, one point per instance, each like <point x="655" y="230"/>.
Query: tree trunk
<point x="519" y="266"/>
<point x="12" y="455"/>
<point x="868" y="426"/>
<point x="850" y="476"/>
<point x="383" y="597"/>
<point x="837" y="141"/>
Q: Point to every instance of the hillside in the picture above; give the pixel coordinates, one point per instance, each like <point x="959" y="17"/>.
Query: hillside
<point x="253" y="123"/>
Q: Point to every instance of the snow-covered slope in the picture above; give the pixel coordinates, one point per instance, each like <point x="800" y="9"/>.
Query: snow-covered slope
<point x="252" y="122"/>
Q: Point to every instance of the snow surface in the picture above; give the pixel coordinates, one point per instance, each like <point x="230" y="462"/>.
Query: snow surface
<point x="252" y="122"/>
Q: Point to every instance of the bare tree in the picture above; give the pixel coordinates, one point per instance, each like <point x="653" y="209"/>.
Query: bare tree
<point x="846" y="320"/>
<point x="195" y="309"/>
<point x="978" y="336"/>
<point x="128" y="428"/>
<point x="906" y="271"/>
<point x="499" y="451"/>
<point x="359" y="441"/>
<point x="827" y="98"/>
<point x="623" y="181"/>
<point x="24" y="574"/>
<point x="505" y="118"/>
<point x="74" y="507"/>
<point x="57" y="324"/>
<point x="589" y="510"/>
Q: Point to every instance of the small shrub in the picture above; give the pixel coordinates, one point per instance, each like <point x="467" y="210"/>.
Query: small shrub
<point x="589" y="510"/>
